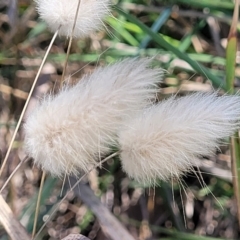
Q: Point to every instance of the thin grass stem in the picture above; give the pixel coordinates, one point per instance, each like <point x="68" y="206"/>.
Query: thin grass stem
<point x="231" y="53"/>
<point x="38" y="204"/>
<point x="27" y="101"/>
<point x="15" y="170"/>
<point x="80" y="179"/>
<point x="70" y="44"/>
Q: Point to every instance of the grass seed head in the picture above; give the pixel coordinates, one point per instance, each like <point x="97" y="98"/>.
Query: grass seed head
<point x="62" y="13"/>
<point x="71" y="131"/>
<point x="164" y="140"/>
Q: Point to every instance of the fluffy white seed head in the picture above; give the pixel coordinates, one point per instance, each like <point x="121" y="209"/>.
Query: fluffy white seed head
<point x="69" y="132"/>
<point x="164" y="140"/>
<point x="62" y="13"/>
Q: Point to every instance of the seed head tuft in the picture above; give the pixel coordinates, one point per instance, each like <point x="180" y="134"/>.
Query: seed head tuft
<point x="69" y="132"/>
<point x="62" y="13"/>
<point x="164" y="140"/>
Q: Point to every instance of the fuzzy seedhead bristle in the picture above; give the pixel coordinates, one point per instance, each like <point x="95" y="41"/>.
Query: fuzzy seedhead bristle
<point x="69" y="132"/>
<point x="163" y="141"/>
<point x="61" y="13"/>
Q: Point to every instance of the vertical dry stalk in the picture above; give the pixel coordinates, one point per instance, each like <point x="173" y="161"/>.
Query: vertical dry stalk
<point x="12" y="226"/>
<point x="231" y="54"/>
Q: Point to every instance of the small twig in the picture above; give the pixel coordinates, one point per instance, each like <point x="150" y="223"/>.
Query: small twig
<point x="110" y="225"/>
<point x="15" y="170"/>
<point x="12" y="226"/>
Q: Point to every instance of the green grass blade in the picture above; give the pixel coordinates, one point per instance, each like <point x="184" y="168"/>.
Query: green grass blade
<point x="216" y="4"/>
<point x="122" y="31"/>
<point x="231" y="62"/>
<point x="156" y="26"/>
<point x="27" y="216"/>
<point x="159" y="40"/>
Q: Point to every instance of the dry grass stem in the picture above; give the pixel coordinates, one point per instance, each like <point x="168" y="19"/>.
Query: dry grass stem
<point x="26" y="104"/>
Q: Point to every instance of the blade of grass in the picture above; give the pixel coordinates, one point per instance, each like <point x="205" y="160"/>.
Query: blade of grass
<point x="115" y="24"/>
<point x="178" y="220"/>
<point x="132" y="27"/>
<point x="163" y="17"/>
<point x="187" y="39"/>
<point x="216" y="4"/>
<point x="74" y="186"/>
<point x="38" y="204"/>
<point x="28" y="213"/>
<point x="230" y="77"/>
<point x="192" y="13"/>
<point x="159" y="40"/>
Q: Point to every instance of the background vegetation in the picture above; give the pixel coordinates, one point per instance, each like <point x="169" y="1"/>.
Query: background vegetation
<point x="186" y="38"/>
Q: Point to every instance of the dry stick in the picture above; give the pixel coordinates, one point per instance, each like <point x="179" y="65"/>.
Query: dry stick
<point x="15" y="170"/>
<point x="110" y="225"/>
<point x="84" y="175"/>
<point x="38" y="203"/>
<point x="27" y="102"/>
<point x="12" y="226"/>
<point x="70" y="43"/>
